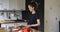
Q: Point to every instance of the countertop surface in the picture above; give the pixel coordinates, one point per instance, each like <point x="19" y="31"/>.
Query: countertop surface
<point x="10" y="21"/>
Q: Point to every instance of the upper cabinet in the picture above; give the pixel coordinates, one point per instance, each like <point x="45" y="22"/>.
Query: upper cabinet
<point x="17" y="4"/>
<point x="12" y="4"/>
<point x="4" y="4"/>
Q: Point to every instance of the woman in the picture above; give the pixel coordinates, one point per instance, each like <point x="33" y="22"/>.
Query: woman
<point x="34" y="20"/>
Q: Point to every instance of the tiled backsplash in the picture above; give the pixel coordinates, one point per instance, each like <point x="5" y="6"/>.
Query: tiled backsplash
<point x="10" y="15"/>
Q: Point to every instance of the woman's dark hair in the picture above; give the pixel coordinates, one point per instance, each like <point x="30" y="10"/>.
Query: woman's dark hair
<point x="33" y="4"/>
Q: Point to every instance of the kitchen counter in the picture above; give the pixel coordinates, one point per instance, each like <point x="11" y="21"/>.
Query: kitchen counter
<point x="24" y="30"/>
<point x="33" y="30"/>
<point x="10" y="21"/>
<point x="2" y="30"/>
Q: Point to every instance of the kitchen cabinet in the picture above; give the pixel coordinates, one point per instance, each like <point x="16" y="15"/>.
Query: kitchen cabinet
<point x="17" y="4"/>
<point x="4" y="4"/>
<point x="12" y="4"/>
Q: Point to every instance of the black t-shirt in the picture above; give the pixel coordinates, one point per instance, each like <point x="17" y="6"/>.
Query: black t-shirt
<point x="33" y="19"/>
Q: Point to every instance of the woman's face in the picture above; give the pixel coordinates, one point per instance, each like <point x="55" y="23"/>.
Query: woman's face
<point x="30" y="8"/>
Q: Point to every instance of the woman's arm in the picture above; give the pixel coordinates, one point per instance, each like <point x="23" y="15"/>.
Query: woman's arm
<point x="33" y="25"/>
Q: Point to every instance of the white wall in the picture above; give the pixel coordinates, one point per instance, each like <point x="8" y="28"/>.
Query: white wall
<point x="52" y="11"/>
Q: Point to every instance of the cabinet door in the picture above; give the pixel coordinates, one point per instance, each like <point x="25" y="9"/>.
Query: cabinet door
<point x="20" y="5"/>
<point x="12" y="4"/>
<point x="0" y="4"/>
<point x="4" y="4"/>
<point x="17" y="4"/>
